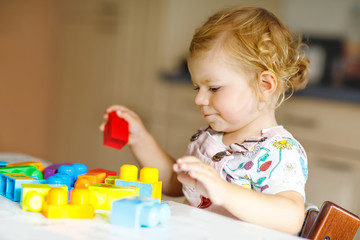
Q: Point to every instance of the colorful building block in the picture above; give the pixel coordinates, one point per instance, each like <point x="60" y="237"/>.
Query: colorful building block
<point x="101" y="170"/>
<point x="86" y="180"/>
<point x="73" y="171"/>
<point x="148" y="183"/>
<point x="60" y="179"/>
<point x="116" y="132"/>
<point x="52" y="169"/>
<point x="57" y="206"/>
<point x="30" y="171"/>
<point x="102" y="195"/>
<point x="38" y="165"/>
<point x="77" y="169"/>
<point x="139" y="212"/>
<point x="3" y="163"/>
<point x="34" y="195"/>
<point x="11" y="184"/>
<point x="111" y="179"/>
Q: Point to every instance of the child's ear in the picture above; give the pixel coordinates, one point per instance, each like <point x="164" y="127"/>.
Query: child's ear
<point x="268" y="85"/>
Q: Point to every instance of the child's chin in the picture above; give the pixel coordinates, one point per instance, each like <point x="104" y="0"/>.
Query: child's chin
<point x="215" y="127"/>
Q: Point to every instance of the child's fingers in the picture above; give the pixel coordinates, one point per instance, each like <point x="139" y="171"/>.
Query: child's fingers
<point x="187" y="180"/>
<point x="102" y="127"/>
<point x="116" y="108"/>
<point x="189" y="163"/>
<point x="120" y="110"/>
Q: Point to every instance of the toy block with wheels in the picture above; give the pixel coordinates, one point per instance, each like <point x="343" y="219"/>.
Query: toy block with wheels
<point x="30" y="171"/>
<point x="11" y="184"/>
<point x="148" y="183"/>
<point x="102" y="195"/>
<point x="57" y="206"/>
<point x="139" y="212"/>
<point x="34" y="195"/>
<point x="116" y="131"/>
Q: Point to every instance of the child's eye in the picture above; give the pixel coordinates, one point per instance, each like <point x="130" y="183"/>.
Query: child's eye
<point x="214" y="89"/>
<point x="196" y="88"/>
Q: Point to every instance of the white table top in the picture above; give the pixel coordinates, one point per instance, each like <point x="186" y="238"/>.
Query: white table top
<point x="186" y="222"/>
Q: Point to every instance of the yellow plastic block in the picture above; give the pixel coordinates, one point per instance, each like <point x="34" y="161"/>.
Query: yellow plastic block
<point x="111" y="179"/>
<point x="34" y="195"/>
<point x="84" y="181"/>
<point x="57" y="206"/>
<point x="148" y="175"/>
<point x="102" y="194"/>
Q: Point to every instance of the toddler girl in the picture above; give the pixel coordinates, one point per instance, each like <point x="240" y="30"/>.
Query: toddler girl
<point x="243" y="64"/>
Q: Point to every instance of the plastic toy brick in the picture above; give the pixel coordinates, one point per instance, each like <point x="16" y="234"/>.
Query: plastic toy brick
<point x="38" y="165"/>
<point x="74" y="170"/>
<point x="51" y="170"/>
<point x="60" y="179"/>
<point x="102" y="195"/>
<point x="57" y="206"/>
<point x="116" y="132"/>
<point x="138" y="212"/>
<point x="3" y="163"/>
<point x="30" y="171"/>
<point x="148" y="183"/>
<point x="11" y="184"/>
<point x="101" y="170"/>
<point x="33" y="196"/>
<point x="111" y="179"/>
<point x="84" y="181"/>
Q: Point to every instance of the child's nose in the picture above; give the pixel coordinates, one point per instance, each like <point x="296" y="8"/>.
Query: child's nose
<point x="201" y="98"/>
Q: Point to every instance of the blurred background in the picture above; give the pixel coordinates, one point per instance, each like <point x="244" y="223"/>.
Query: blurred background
<point x="63" y="62"/>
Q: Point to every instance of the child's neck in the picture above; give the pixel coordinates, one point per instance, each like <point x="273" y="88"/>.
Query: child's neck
<point x="252" y="129"/>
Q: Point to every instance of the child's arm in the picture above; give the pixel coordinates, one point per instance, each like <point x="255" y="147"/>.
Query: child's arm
<point x="147" y="150"/>
<point x="283" y="211"/>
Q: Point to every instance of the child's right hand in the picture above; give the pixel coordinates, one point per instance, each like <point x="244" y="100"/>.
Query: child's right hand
<point x="136" y="127"/>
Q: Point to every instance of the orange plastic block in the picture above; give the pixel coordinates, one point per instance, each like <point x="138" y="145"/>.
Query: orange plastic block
<point x="84" y="181"/>
<point x="57" y="206"/>
<point x="101" y="170"/>
<point x="38" y="165"/>
<point x="148" y="183"/>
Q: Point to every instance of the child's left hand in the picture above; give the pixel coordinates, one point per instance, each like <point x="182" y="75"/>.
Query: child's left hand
<point x="203" y="177"/>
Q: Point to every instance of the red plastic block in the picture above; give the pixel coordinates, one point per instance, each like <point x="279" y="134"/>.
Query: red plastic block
<point x="116" y="132"/>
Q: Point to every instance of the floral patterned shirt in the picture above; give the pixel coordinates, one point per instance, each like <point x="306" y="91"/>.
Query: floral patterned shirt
<point x="270" y="163"/>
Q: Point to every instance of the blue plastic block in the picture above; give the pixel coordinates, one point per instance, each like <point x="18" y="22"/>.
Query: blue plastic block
<point x="145" y="189"/>
<point x="3" y="164"/>
<point x="60" y="179"/>
<point x="73" y="170"/>
<point x="139" y="212"/>
<point x="11" y="184"/>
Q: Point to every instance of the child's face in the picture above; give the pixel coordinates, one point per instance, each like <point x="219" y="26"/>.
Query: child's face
<point x="224" y="96"/>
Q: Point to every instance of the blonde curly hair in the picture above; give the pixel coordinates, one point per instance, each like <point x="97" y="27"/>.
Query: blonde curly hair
<point x="259" y="41"/>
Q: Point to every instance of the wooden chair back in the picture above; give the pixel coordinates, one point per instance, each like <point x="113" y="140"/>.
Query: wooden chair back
<point x="331" y="222"/>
